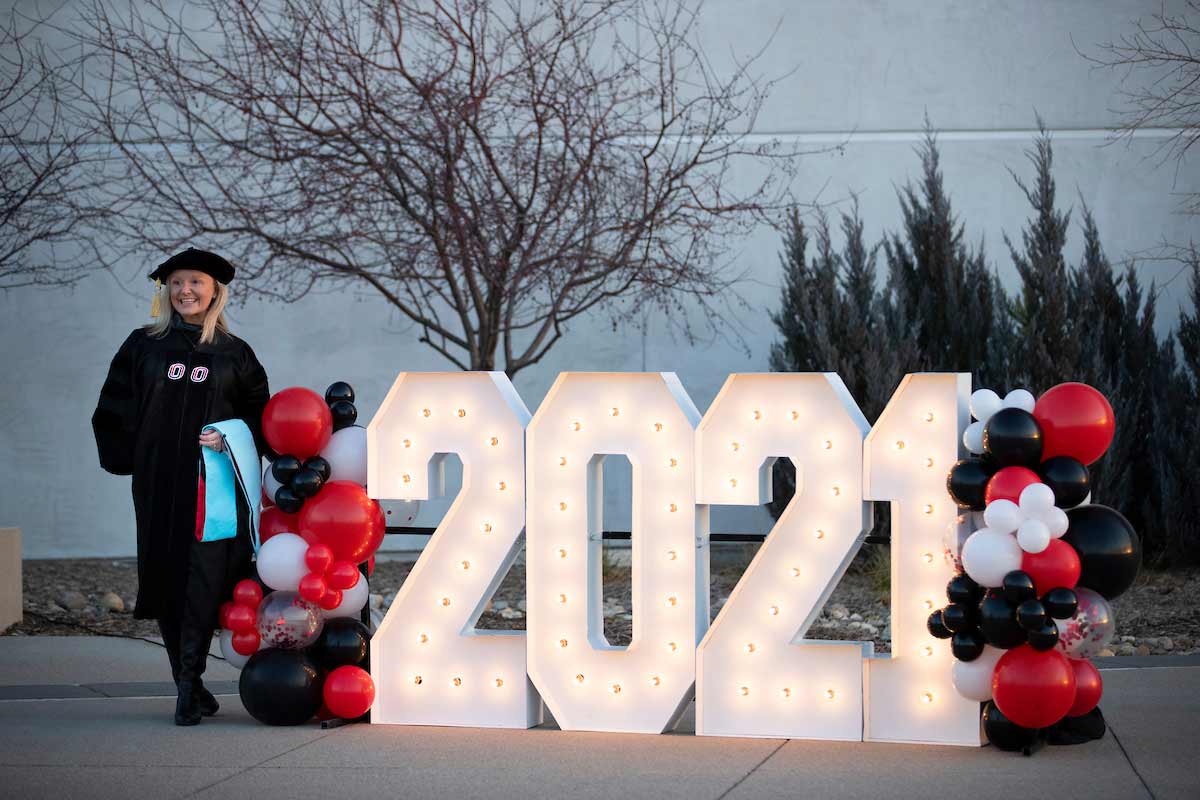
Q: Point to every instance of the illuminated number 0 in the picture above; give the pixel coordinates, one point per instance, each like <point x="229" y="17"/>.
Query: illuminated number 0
<point x="588" y="683"/>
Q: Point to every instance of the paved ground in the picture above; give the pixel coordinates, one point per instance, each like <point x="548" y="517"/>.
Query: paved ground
<point x="91" y="717"/>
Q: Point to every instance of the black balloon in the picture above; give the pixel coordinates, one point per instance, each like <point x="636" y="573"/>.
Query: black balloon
<point x="1013" y="438"/>
<point x="1018" y="587"/>
<point x="1061" y="603"/>
<point x="967" y="483"/>
<point x="281" y="687"/>
<point x="936" y="627"/>
<point x="344" y="414"/>
<point x="285" y="467"/>
<point x="288" y="501"/>
<point x="967" y="645"/>
<point x="320" y="466"/>
<point x="1031" y="615"/>
<point x="1003" y="732"/>
<point x="962" y="589"/>
<point x="1108" y="546"/>
<point x="342" y="643"/>
<point x="998" y="622"/>
<point x="339" y="390"/>
<point x="306" y="483"/>
<point x="957" y="617"/>
<point x="1069" y="479"/>
<point x="1045" y="637"/>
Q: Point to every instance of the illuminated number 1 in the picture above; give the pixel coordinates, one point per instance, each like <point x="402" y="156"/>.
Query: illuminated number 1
<point x="910" y="450"/>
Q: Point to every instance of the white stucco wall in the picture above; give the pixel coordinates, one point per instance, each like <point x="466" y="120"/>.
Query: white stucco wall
<point x="867" y="70"/>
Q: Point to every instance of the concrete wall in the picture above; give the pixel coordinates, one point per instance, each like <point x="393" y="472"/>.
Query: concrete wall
<point x="867" y="71"/>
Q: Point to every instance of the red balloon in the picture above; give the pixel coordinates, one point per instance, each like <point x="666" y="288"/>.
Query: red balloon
<point x="371" y="566"/>
<point x="318" y="557"/>
<point x="248" y="593"/>
<point x="223" y="614"/>
<point x="273" y="521"/>
<point x="246" y="643"/>
<point x="1076" y="421"/>
<point x="1033" y="689"/>
<point x="297" y="421"/>
<point x="343" y="517"/>
<point x="267" y="501"/>
<point x="241" y="618"/>
<point x="1088" y="687"/>
<point x="349" y="692"/>
<point x="331" y="599"/>
<point x="342" y="575"/>
<point x="1056" y="566"/>
<point x="1007" y="484"/>
<point x="313" y="587"/>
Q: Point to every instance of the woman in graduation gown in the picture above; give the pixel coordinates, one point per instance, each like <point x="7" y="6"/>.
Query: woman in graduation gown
<point x="167" y="381"/>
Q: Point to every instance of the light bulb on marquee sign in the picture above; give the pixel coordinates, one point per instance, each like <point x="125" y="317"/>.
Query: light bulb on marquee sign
<point x="430" y="665"/>
<point x="754" y="674"/>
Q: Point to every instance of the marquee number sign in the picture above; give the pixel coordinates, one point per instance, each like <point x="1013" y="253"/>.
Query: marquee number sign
<point x="752" y="672"/>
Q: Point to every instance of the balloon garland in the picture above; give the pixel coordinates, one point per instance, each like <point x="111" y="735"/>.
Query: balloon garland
<point x="295" y="632"/>
<point x="1037" y="564"/>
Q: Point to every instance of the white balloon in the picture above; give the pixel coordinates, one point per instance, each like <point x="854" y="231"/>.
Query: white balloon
<point x="973" y="437"/>
<point x="1002" y="516"/>
<point x="1033" y="536"/>
<point x="1036" y="499"/>
<point x="232" y="657"/>
<point x="270" y="485"/>
<point x="353" y="600"/>
<point x="973" y="679"/>
<point x="984" y="403"/>
<point x="990" y="555"/>
<point x="1056" y="522"/>
<point x="347" y="455"/>
<point x="281" y="562"/>
<point x="1020" y="398"/>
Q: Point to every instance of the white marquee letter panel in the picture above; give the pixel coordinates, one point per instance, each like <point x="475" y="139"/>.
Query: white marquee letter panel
<point x="910" y="697"/>
<point x="755" y="676"/>
<point x="587" y="683"/>
<point x="430" y="665"/>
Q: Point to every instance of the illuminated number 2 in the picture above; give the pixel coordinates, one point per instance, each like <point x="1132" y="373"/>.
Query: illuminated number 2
<point x="430" y="665"/>
<point x="755" y="677"/>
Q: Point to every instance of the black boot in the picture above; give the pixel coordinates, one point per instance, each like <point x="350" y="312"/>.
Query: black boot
<point x="169" y="628"/>
<point x="193" y="653"/>
<point x="205" y="701"/>
<point x="187" y="710"/>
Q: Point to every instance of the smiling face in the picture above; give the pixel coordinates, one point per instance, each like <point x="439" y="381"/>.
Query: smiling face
<point x="191" y="293"/>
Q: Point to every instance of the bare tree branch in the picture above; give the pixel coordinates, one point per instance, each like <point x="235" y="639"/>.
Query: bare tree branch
<point x="1159" y="64"/>
<point x="45" y="165"/>
<point x="492" y="168"/>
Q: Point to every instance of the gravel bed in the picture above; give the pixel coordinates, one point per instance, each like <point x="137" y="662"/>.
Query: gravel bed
<point x="95" y="596"/>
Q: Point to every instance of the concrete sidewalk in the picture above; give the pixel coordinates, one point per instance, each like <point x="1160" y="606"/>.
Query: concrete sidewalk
<point x="118" y="740"/>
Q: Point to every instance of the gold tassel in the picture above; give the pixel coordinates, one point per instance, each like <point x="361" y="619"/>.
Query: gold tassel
<point x="156" y="303"/>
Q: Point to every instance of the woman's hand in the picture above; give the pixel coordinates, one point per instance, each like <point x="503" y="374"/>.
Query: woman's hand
<point x="212" y="440"/>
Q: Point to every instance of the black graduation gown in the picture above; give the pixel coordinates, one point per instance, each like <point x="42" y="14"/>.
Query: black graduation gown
<point x="158" y="395"/>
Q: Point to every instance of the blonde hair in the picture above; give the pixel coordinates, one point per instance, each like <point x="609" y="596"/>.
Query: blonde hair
<point x="214" y="318"/>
